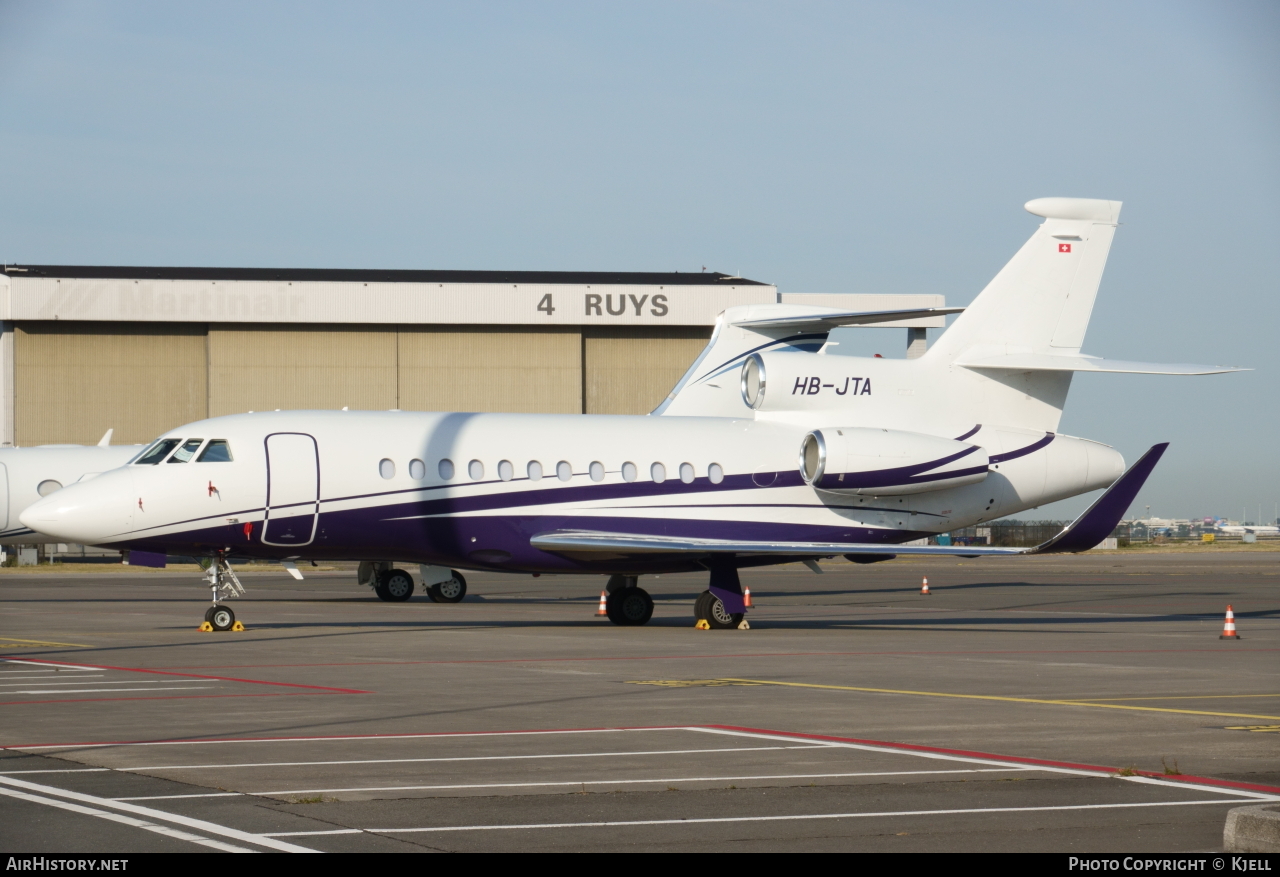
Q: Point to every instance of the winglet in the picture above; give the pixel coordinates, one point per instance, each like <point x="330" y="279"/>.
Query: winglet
<point x="106" y="438"/>
<point x="1101" y="518"/>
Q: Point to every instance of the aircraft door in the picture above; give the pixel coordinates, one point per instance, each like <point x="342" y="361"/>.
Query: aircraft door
<point x="293" y="489"/>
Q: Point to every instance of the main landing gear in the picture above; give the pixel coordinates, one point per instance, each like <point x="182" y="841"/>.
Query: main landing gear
<point x="224" y="584"/>
<point x="723" y="605"/>
<point x="441" y="585"/>
<point x="626" y="604"/>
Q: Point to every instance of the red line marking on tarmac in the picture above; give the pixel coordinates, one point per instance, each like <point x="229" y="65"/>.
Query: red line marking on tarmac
<point x="1224" y="651"/>
<point x="328" y="737"/>
<point x="1015" y="759"/>
<point x="28" y="660"/>
<point x="162" y="697"/>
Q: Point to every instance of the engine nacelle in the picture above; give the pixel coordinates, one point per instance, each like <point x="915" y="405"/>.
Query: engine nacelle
<point x="887" y="462"/>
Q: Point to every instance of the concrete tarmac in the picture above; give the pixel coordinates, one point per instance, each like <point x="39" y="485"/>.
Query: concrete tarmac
<point x="1073" y="704"/>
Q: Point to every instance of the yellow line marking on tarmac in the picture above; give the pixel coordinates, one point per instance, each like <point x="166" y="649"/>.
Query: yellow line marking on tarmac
<point x="1265" y="729"/>
<point x="1178" y="697"/>
<point x="691" y="683"/>
<point x="1109" y="706"/>
<point x="12" y="642"/>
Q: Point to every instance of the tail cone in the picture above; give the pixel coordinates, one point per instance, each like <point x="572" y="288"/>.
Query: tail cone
<point x="1229" y="628"/>
<point x="603" y="610"/>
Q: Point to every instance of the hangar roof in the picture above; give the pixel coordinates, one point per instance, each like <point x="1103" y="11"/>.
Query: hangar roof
<point x="377" y="275"/>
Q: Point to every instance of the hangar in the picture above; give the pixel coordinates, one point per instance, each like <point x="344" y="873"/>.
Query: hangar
<point x="140" y="349"/>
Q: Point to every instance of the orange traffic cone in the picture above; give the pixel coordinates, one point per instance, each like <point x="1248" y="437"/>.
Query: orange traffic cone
<point x="746" y="597"/>
<point x="1229" y="629"/>
<point x="604" y="598"/>
<point x="924" y="588"/>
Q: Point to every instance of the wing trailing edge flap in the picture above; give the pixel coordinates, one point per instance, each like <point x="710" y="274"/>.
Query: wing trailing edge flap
<point x="1083" y="533"/>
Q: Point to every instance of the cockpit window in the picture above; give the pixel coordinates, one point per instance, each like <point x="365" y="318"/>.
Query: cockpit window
<point x="187" y="451"/>
<point x="218" y="451"/>
<point x="158" y="452"/>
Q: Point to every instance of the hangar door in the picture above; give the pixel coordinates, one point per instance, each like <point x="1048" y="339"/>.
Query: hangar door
<point x="73" y="381"/>
<point x="293" y="489"/>
<point x="631" y="370"/>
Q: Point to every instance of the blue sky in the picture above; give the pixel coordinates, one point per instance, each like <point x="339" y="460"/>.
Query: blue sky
<point x="825" y="147"/>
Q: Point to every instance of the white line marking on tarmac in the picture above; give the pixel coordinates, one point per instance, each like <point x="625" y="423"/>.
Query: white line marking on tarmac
<point x="113" y="690"/>
<point x="77" y="682"/>
<point x="43" y="674"/>
<point x="127" y="820"/>
<point x="722" y="819"/>
<point x="467" y="758"/>
<point x="58" y="770"/>
<point x="367" y="738"/>
<point x="47" y="664"/>
<point x="1172" y="784"/>
<point x="160" y="815"/>
<point x="173" y="797"/>
<point x="627" y="782"/>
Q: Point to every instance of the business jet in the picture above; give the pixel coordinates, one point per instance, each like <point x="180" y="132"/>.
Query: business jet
<point x="27" y="474"/>
<point x="767" y="451"/>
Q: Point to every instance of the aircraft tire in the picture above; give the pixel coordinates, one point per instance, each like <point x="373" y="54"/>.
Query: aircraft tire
<point x="220" y="617"/>
<point x="395" y="585"/>
<point x="709" y="607"/>
<point x="450" y="590"/>
<point x="629" y="607"/>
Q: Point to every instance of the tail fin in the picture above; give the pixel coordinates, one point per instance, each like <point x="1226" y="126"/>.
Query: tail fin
<point x="1041" y="301"/>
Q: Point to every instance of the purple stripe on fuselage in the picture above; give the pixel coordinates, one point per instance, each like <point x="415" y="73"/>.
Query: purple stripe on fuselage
<point x="900" y="475"/>
<point x="386" y="532"/>
<point x="1022" y="452"/>
<point x="971" y="432"/>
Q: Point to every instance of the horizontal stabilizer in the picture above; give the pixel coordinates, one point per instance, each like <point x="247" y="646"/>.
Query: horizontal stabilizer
<point x="1022" y="362"/>
<point x="835" y="319"/>
<point x="1102" y="517"/>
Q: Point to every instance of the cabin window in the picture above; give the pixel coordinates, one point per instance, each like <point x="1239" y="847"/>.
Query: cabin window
<point x="387" y="469"/>
<point x="597" y="471"/>
<point x="446" y="470"/>
<point x="476" y="470"/>
<point x="217" y="451"/>
<point x="187" y="451"/>
<point x="48" y="486"/>
<point x="505" y="470"/>
<point x="535" y="470"/>
<point x="686" y="473"/>
<point x="658" y="473"/>
<point x="158" y="452"/>
<point x="715" y="473"/>
<point x="629" y="471"/>
<point x="564" y="471"/>
<point x="417" y="470"/>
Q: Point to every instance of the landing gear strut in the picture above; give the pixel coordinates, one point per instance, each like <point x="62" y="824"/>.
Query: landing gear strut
<point x="722" y="605"/>
<point x="224" y="585"/>
<point x="626" y="604"/>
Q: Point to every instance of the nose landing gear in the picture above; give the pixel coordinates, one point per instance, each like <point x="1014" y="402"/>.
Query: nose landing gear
<point x="224" y="584"/>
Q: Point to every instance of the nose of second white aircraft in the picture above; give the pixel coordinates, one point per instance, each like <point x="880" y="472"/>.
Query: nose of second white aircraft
<point x="89" y="512"/>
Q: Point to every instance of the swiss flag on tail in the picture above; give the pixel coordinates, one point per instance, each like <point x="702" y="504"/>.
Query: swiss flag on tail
<point x="1064" y="248"/>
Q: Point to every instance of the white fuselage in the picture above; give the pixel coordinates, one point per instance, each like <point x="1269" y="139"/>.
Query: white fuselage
<point x="357" y="485"/>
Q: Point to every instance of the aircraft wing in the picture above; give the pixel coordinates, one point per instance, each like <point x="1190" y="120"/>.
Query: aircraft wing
<point x="595" y="542"/>
<point x="832" y="320"/>
<point x="1083" y="533"/>
<point x="1022" y="362"/>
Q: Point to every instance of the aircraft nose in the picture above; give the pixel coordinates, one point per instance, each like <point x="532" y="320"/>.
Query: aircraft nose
<point x="89" y="513"/>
